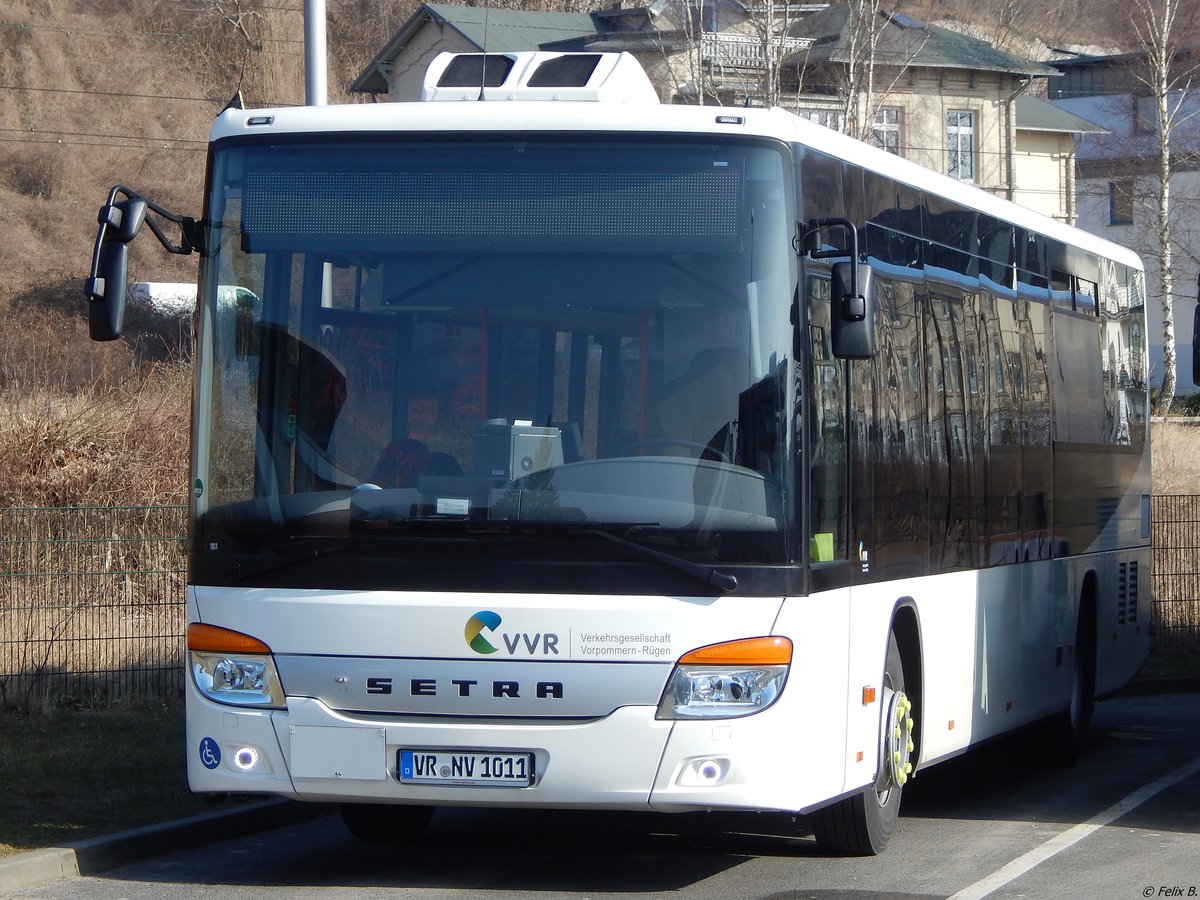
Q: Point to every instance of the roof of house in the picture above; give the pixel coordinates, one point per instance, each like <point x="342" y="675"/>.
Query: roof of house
<point x="906" y="41"/>
<point x="903" y="41"/>
<point x="1035" y="114"/>
<point x="488" y="29"/>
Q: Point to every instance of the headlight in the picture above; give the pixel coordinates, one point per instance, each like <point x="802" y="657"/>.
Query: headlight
<point x="233" y="668"/>
<point x="722" y="681"/>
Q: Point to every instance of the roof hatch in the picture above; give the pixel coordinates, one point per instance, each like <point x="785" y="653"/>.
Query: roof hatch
<point x="594" y="77"/>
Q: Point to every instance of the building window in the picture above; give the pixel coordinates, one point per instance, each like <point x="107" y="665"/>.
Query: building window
<point x="1145" y="114"/>
<point x="886" y="129"/>
<point x="960" y="144"/>
<point x="1120" y="202"/>
<point x="830" y="118"/>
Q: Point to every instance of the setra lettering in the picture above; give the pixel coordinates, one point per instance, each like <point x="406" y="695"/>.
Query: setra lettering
<point x="465" y="687"/>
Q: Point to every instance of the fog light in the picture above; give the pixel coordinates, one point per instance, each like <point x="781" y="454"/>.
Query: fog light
<point x="245" y="758"/>
<point x="704" y="772"/>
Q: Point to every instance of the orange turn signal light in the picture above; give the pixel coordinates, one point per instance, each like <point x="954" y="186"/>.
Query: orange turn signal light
<point x="211" y="639"/>
<point x="760" y="651"/>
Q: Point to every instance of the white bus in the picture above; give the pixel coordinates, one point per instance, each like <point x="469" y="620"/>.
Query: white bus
<point x="582" y="452"/>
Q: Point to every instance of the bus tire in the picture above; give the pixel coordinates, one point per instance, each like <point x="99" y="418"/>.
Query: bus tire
<point x="862" y="824"/>
<point x="1067" y="732"/>
<point x="385" y="822"/>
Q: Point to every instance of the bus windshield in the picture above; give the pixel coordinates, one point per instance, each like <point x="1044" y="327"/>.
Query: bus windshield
<point x="407" y="341"/>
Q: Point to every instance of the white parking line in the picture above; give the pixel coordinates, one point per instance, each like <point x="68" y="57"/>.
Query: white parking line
<point x="1073" y="835"/>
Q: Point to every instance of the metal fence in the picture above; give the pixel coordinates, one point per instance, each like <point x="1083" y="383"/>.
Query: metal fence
<point x="1176" y="568"/>
<point x="91" y="600"/>
<point x="91" y="604"/>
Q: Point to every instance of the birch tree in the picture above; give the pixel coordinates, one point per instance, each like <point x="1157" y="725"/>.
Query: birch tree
<point x="864" y="28"/>
<point x="1169" y="85"/>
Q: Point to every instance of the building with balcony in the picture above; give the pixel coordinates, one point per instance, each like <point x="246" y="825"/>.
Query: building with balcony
<point x="1117" y="183"/>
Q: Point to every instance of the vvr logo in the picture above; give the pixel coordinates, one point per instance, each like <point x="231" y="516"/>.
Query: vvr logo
<point x="484" y="620"/>
<point x="481" y="625"/>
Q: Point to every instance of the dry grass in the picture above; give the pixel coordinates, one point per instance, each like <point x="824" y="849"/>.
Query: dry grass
<point x="121" y="445"/>
<point x="96" y="92"/>
<point x="1176" y="459"/>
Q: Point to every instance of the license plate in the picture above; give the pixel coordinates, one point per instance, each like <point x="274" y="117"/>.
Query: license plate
<point x="452" y="767"/>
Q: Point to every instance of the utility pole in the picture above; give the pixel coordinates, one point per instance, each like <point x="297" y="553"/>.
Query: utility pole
<point x="316" y="86"/>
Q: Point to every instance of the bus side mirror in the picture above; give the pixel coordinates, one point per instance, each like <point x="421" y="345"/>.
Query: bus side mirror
<point x="105" y="291"/>
<point x="1195" y="337"/>
<point x="120" y="221"/>
<point x="853" y="314"/>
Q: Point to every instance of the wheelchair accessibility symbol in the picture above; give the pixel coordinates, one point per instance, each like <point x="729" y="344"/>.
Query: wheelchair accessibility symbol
<point x="210" y="753"/>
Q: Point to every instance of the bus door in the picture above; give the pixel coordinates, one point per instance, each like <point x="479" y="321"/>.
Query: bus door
<point x="828" y="433"/>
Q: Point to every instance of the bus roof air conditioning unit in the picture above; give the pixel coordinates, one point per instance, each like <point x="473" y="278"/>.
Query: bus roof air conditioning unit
<point x="529" y="75"/>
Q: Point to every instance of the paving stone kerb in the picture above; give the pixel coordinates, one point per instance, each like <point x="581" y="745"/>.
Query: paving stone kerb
<point x="90" y="857"/>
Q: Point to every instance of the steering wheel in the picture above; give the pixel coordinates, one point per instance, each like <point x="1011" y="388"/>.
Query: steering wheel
<point x="701" y="449"/>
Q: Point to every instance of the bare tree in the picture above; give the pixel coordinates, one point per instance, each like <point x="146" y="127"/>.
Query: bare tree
<point x="680" y="30"/>
<point x="771" y="25"/>
<point x="245" y="45"/>
<point x="727" y="53"/>
<point x="864" y="29"/>
<point x="1018" y="26"/>
<point x="1169" y="86"/>
<point x="870" y="64"/>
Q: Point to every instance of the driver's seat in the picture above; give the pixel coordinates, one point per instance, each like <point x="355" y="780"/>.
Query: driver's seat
<point x="700" y="405"/>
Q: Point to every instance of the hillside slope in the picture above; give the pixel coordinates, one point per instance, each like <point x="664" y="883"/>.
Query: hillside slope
<point x="92" y="93"/>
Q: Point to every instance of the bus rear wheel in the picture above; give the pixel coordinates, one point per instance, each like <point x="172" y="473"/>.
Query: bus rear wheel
<point x="862" y="824"/>
<point x="1067" y="732"/>
<point x="383" y="822"/>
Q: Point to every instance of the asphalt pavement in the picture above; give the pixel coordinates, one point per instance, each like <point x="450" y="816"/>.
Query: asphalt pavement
<point x="96" y="855"/>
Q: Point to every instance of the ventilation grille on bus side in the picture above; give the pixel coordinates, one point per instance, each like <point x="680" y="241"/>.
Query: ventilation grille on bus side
<point x="1127" y="593"/>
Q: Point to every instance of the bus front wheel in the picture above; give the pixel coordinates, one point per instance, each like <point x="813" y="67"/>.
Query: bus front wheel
<point x="383" y="822"/>
<point x="860" y="825"/>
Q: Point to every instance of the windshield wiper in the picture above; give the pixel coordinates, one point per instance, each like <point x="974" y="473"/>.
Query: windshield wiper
<point x="709" y="576"/>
